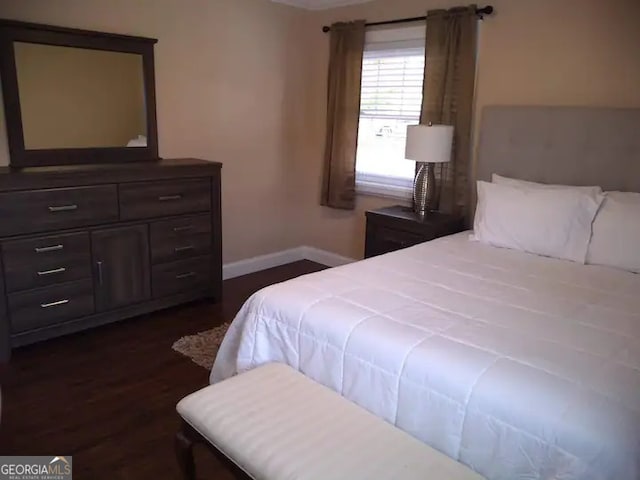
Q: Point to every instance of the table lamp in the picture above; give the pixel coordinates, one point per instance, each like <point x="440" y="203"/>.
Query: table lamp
<point x="427" y="145"/>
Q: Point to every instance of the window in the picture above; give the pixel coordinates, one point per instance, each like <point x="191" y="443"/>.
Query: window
<point x="391" y="99"/>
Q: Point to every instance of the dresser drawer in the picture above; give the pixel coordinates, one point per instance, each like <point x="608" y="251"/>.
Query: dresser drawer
<point x="181" y="276"/>
<point x="180" y="227"/>
<point x="42" y="261"/>
<point x="383" y="240"/>
<point x="59" y="208"/>
<point x="159" y="199"/>
<point x="180" y="238"/>
<point x="50" y="305"/>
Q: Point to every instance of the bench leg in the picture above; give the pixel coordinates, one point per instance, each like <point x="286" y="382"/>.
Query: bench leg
<point x="184" y="454"/>
<point x="186" y="438"/>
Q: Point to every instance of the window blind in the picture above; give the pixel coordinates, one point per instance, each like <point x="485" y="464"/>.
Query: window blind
<point x="392" y="76"/>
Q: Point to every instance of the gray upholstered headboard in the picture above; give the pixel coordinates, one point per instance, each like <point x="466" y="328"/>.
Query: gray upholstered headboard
<point x="564" y="145"/>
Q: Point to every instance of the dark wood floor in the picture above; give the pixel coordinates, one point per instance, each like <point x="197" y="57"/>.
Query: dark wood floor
<point x="108" y="396"/>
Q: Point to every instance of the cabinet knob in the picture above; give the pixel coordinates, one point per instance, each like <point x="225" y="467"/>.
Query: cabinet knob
<point x="54" y="304"/>
<point x="169" y="198"/>
<point x="51" y="248"/>
<point x="52" y="271"/>
<point x="63" y="208"/>
<point x="185" y="275"/>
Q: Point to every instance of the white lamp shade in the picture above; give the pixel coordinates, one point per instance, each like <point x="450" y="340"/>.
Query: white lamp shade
<point x="431" y="144"/>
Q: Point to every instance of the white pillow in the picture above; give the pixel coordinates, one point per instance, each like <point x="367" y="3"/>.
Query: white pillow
<point x="616" y="232"/>
<point x="550" y="222"/>
<point x="499" y="179"/>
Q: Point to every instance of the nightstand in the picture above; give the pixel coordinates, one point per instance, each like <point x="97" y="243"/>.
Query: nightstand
<point x="393" y="228"/>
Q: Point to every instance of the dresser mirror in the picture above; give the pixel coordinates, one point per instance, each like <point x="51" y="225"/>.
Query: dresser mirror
<point x="76" y="97"/>
<point x="79" y="98"/>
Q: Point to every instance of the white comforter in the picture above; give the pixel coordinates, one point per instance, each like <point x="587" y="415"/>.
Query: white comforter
<point x="519" y="366"/>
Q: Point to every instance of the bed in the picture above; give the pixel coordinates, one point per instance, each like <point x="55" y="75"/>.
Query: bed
<point x="517" y="365"/>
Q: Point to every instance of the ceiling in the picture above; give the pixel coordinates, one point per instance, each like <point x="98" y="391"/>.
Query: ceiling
<point x="320" y="4"/>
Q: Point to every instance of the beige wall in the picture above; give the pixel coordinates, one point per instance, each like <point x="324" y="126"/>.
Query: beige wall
<point x="79" y="98"/>
<point x="222" y="82"/>
<point x="531" y="52"/>
<point x="244" y="82"/>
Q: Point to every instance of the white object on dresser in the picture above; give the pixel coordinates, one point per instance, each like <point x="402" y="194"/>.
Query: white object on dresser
<point x="616" y="232"/>
<point x="545" y="221"/>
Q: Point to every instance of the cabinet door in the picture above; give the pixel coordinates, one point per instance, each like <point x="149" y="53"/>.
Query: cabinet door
<point x="121" y="266"/>
<point x="5" y="335"/>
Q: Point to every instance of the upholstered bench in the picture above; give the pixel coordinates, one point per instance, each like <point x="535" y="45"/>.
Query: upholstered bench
<point x="273" y="423"/>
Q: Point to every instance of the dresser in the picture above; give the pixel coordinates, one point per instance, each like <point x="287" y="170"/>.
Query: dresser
<point x="396" y="227"/>
<point x="86" y="245"/>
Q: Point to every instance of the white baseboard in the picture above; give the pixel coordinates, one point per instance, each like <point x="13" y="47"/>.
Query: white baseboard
<point x="324" y="257"/>
<point x="263" y="262"/>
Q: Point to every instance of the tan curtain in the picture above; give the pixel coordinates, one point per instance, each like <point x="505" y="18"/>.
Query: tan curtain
<point x="343" y="112"/>
<point x="450" y="68"/>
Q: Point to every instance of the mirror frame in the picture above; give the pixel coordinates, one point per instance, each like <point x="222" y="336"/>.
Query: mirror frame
<point x="13" y="31"/>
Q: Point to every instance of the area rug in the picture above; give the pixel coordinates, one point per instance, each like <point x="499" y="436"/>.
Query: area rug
<point x="202" y="347"/>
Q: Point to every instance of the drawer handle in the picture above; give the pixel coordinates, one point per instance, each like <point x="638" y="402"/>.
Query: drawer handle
<point x="100" y="274"/>
<point x="51" y="272"/>
<point x="54" y="304"/>
<point x="63" y="208"/>
<point x="169" y="198"/>
<point x="186" y="248"/>
<point x="186" y="228"/>
<point x="52" y="248"/>
<point x="185" y="275"/>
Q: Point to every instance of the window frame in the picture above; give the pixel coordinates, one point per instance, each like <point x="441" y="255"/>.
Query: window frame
<point x="411" y="37"/>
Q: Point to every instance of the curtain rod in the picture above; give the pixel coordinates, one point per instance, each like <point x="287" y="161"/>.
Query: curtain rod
<point x="488" y="10"/>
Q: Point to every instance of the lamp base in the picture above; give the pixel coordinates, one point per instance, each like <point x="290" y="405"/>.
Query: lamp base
<point x="424" y="190"/>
